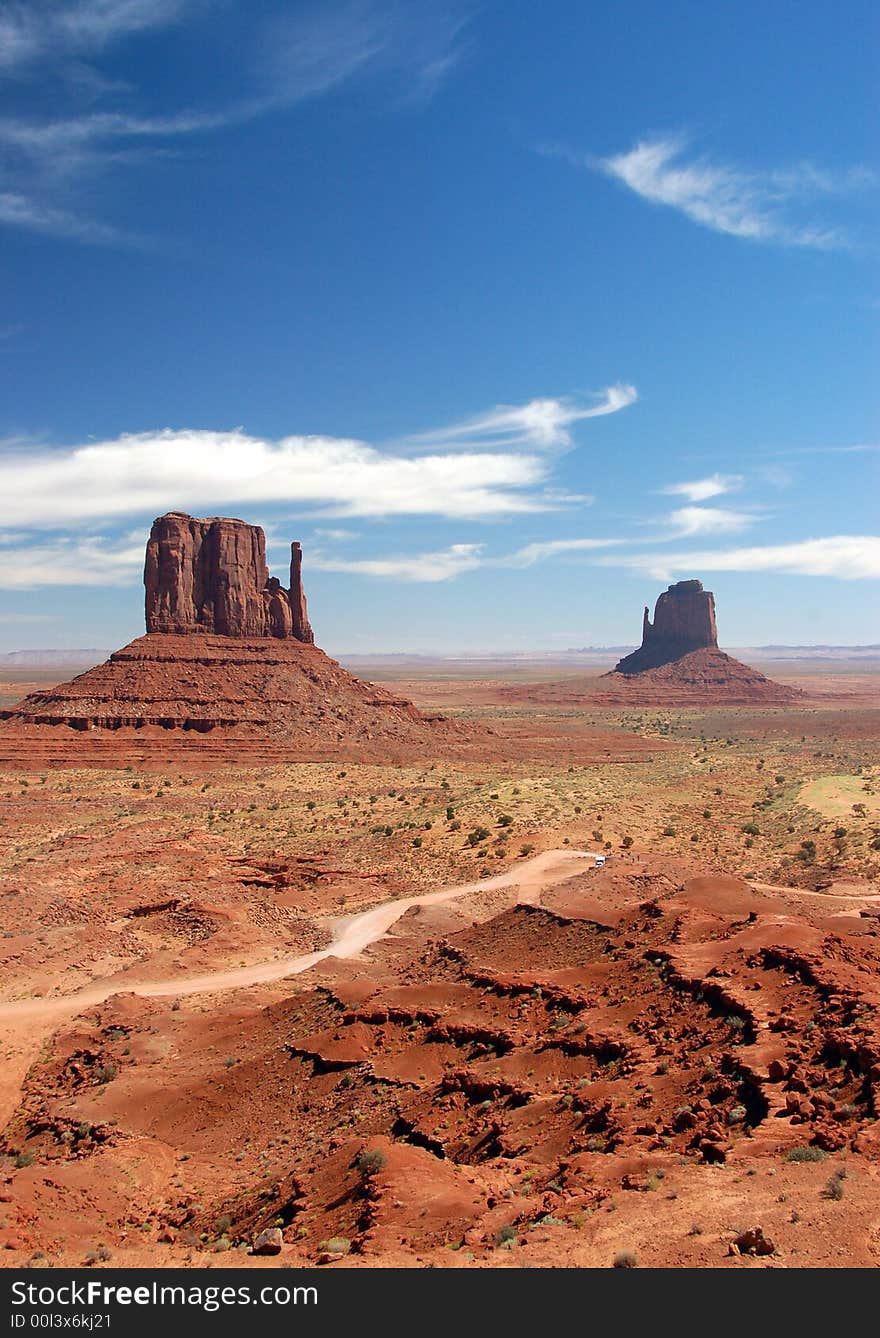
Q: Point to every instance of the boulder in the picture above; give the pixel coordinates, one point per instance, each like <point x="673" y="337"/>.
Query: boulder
<point x="269" y="1241"/>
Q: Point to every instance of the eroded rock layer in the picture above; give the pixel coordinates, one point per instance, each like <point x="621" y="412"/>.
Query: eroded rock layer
<point x="282" y="691"/>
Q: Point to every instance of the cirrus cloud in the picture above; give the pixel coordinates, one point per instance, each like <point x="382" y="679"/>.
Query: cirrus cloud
<point x="756" y="205"/>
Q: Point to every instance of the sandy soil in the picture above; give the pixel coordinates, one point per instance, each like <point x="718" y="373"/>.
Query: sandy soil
<point x="221" y="986"/>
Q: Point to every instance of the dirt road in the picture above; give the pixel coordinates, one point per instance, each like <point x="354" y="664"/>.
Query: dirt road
<point x="25" y="1022"/>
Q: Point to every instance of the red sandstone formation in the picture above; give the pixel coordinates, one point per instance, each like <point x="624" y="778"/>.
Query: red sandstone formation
<point x="679" y="657"/>
<point x="211" y="576"/>
<point x="227" y="649"/>
<point x="684" y="620"/>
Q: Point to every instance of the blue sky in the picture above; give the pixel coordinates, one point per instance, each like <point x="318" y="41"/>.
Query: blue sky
<point x="512" y="314"/>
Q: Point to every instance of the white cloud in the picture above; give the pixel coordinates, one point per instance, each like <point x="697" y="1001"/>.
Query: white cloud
<point x="70" y="561"/>
<point x="431" y="567"/>
<point x="22" y="212"/>
<point x="846" y="557"/>
<point x="197" y="470"/>
<point x="700" y="490"/>
<point x="540" y="424"/>
<point x="156" y="471"/>
<point x="750" y="204"/>
<point x="33" y="30"/>
<point x="338" y="536"/>
<point x="538" y="552"/>
<point x="693" y="520"/>
<point x="451" y="562"/>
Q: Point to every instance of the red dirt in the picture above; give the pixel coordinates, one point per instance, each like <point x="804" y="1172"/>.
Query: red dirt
<point x="594" y="1074"/>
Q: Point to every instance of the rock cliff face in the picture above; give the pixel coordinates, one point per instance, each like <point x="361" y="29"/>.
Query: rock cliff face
<point x="211" y="576"/>
<point x="684" y="621"/>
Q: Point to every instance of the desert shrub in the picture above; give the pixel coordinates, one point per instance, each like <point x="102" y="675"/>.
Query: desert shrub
<point x="752" y="829"/>
<point x="526" y="849"/>
<point x="106" y="1073"/>
<point x="626" y="842"/>
<point x="23" y="1159"/>
<point x="417" y="842"/>
<point x="806" y="1154"/>
<point x="669" y="830"/>
<point x="626" y="1259"/>
<point x="477" y="835"/>
<point x="834" y="1187"/>
<point x="507" y="1235"/>
<point x="335" y="1245"/>
<point x="505" y="820"/>
<point x="370" y="1163"/>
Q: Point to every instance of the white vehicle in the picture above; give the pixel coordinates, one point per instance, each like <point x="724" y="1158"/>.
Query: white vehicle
<point x="600" y="862"/>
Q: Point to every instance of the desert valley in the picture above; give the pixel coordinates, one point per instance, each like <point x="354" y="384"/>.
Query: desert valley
<point x="431" y="963"/>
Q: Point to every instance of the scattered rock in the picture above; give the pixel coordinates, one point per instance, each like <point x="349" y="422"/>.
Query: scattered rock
<point x="269" y="1241"/>
<point x="752" y="1242"/>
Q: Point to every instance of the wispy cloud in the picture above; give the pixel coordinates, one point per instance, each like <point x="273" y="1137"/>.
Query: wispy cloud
<point x="846" y="557"/>
<point x="757" y="205"/>
<point x="429" y="567"/>
<point x="688" y="521"/>
<point x="149" y="472"/>
<point x="539" y="552"/>
<point x="541" y="424"/>
<point x="312" y="50"/>
<point x="700" y="490"/>
<point x="287" y="58"/>
<point x="19" y="211"/>
<point x="450" y="562"/>
<point x="63" y="561"/>
<point x="36" y="30"/>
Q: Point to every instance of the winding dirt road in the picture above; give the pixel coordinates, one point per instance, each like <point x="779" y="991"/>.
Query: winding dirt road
<point x="25" y="1023"/>
<point x="351" y="934"/>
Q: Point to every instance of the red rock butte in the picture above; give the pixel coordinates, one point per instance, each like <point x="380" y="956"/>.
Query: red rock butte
<point x="211" y="576"/>
<point x="679" y="655"/>
<point x="684" y="620"/>
<point x="229" y="652"/>
<point x="680" y="660"/>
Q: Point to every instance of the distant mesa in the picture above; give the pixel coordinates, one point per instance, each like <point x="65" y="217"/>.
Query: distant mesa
<point x="679" y="655"/>
<point x="228" y="652"/>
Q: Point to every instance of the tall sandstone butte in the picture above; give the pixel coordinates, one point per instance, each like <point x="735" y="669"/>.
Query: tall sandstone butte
<point x="228" y="652"/>
<point x="684" y="621"/>
<point x="211" y="576"/>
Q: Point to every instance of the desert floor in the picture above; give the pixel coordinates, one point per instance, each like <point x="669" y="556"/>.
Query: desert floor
<point x="537" y="1062"/>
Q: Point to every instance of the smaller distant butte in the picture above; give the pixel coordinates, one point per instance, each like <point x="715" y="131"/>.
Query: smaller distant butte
<point x="679" y="654"/>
